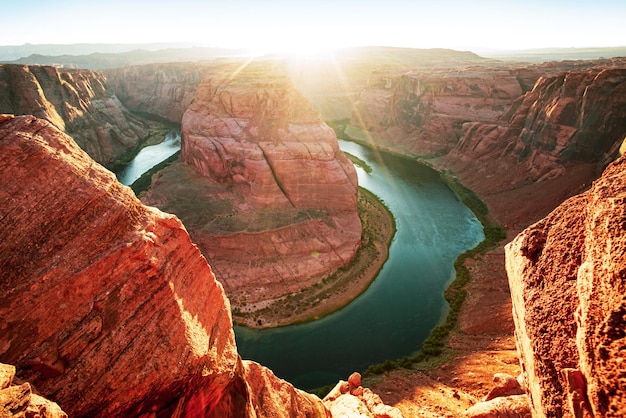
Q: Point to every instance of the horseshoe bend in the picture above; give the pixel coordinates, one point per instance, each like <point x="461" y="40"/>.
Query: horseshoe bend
<point x="112" y="307"/>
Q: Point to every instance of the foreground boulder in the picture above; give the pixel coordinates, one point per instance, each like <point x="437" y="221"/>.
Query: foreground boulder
<point x="568" y="287"/>
<point x="107" y="307"/>
<point x="19" y="401"/>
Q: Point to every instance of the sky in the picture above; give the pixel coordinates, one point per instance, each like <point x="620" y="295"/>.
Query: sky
<point x="308" y="26"/>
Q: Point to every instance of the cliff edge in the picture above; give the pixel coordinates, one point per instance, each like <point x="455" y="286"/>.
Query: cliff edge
<point x="568" y="286"/>
<point x="107" y="307"/>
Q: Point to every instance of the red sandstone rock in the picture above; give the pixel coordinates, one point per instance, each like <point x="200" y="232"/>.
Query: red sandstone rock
<point x="19" y="401"/>
<point x="78" y="102"/>
<point x="106" y="305"/>
<point x="504" y="385"/>
<point x="165" y="90"/>
<point x="422" y="111"/>
<point x="347" y="399"/>
<point x="260" y="151"/>
<point x="573" y="117"/>
<point x="568" y="290"/>
<point x="502" y="407"/>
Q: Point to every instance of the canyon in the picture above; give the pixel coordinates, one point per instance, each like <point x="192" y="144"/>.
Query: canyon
<point x="259" y="166"/>
<point x="524" y="137"/>
<point x="135" y="287"/>
<point x="79" y="102"/>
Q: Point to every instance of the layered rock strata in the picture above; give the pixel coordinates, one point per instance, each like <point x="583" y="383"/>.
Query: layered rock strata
<point x="566" y="275"/>
<point x="422" y="111"/>
<point x="77" y="102"/>
<point x="551" y="144"/>
<point x="278" y="195"/>
<point x="106" y="305"/>
<point x="18" y="400"/>
<point x="165" y="90"/>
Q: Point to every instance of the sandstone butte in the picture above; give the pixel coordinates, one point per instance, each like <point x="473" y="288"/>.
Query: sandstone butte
<point x="270" y="198"/>
<point x="107" y="308"/>
<point x="78" y="102"/>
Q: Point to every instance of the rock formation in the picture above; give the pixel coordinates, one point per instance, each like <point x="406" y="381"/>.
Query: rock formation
<point x="165" y="90"/>
<point x="264" y="189"/>
<point x="77" y="102"/>
<point x="106" y="305"/>
<point x="551" y="144"/>
<point x="566" y="275"/>
<point x="348" y="399"/>
<point x="19" y="400"/>
<point x="572" y="117"/>
<point x="422" y="111"/>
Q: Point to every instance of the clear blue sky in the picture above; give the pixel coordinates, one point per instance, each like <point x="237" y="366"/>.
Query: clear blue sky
<point x="282" y="25"/>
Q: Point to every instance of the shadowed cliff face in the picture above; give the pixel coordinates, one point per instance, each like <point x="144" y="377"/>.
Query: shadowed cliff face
<point x="573" y="117"/>
<point x="566" y="275"/>
<point x="165" y="90"/>
<point x="264" y="189"/>
<point x="77" y="102"/>
<point x="106" y="305"/>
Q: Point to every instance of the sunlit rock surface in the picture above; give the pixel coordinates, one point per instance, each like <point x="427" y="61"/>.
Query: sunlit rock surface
<point x="78" y="102"/>
<point x="566" y="275"/>
<point x="107" y="307"/>
<point x="268" y="195"/>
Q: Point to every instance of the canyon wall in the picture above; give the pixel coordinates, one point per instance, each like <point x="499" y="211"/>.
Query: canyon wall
<point x="566" y="275"/>
<point x="264" y="188"/>
<point x="106" y="305"/>
<point x="550" y="145"/>
<point x="165" y="90"/>
<point x="422" y="111"/>
<point x="76" y="101"/>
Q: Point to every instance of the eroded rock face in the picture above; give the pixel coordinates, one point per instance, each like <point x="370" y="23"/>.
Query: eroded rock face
<point x="281" y="193"/>
<point x="106" y="305"/>
<point x="569" y="298"/>
<point x="77" y="102"/>
<point x="572" y="117"/>
<point x="19" y="401"/>
<point x="422" y="111"/>
<point x="165" y="90"/>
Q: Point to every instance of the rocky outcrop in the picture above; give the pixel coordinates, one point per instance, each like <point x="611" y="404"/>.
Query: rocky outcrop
<point x="77" y="102"/>
<point x="20" y="401"/>
<point x="280" y="193"/>
<point x="422" y="111"/>
<point x="572" y="117"/>
<point x="551" y="144"/>
<point x="350" y="399"/>
<point x="566" y="275"/>
<point x="107" y="307"/>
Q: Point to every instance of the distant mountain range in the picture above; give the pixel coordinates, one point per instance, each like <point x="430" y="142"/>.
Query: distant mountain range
<point x="99" y="56"/>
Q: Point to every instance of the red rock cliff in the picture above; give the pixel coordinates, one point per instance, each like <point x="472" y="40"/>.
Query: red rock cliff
<point x="106" y="305"/>
<point x="422" y="111"/>
<point x="552" y="143"/>
<point x="165" y="90"/>
<point x="278" y="196"/>
<point x="566" y="275"/>
<point x="76" y="101"/>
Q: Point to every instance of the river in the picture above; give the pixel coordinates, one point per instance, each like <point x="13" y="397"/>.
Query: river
<point x="150" y="156"/>
<point x="405" y="302"/>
